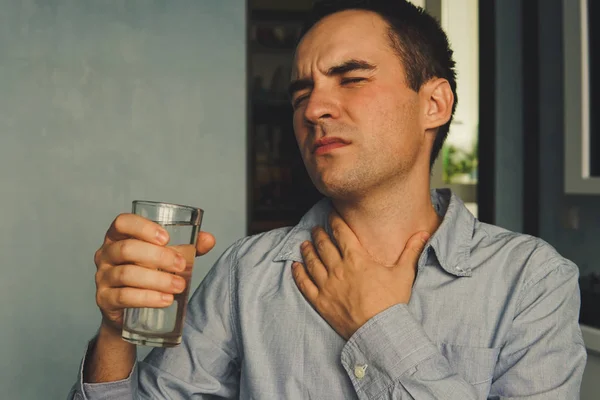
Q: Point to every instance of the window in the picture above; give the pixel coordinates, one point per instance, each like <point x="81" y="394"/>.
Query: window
<point x="581" y="39"/>
<point x="457" y="165"/>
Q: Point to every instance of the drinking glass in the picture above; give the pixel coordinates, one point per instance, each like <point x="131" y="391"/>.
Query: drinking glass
<point x="163" y="327"/>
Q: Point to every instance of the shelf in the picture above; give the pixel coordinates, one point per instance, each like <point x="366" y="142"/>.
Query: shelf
<point x="279" y="112"/>
<point x="280" y="189"/>
<point x="282" y="163"/>
<point x="272" y="104"/>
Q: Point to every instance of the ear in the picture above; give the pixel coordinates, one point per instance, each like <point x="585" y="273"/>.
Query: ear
<point x="439" y="99"/>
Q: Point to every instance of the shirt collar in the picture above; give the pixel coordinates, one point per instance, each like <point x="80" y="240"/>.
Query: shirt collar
<point x="450" y="244"/>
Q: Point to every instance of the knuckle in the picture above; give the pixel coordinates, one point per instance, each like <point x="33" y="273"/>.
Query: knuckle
<point x="335" y="230"/>
<point x="351" y="257"/>
<point x="124" y="275"/>
<point x="309" y="259"/>
<point x="126" y="249"/>
<point x="321" y="242"/>
<point x="98" y="256"/>
<point x="147" y="228"/>
<point x="338" y="273"/>
<point x="121" y="297"/>
<point x="149" y="297"/>
<point x="98" y="278"/>
<point x="417" y="249"/>
<point x="302" y="285"/>
<point x="99" y="300"/>
<point x="120" y="222"/>
<point x="323" y="305"/>
<point x="298" y="275"/>
<point x="335" y="225"/>
<point x="164" y="256"/>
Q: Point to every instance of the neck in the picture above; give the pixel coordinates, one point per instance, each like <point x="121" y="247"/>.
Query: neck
<point x="386" y="219"/>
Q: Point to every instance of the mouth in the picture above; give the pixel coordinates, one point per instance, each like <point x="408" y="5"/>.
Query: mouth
<point x="328" y="144"/>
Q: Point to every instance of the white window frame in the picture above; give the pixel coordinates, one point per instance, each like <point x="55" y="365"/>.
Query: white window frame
<point x="577" y="100"/>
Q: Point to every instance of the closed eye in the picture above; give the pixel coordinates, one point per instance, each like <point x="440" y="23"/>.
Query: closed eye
<point x="347" y="81"/>
<point x="344" y="81"/>
<point x="296" y="103"/>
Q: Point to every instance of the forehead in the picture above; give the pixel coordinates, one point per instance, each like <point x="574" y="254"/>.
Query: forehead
<point x="351" y="34"/>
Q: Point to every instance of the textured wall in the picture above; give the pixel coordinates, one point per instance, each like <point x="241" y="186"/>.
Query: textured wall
<point x="103" y="102"/>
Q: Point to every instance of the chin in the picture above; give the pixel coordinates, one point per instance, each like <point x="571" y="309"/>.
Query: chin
<point x="338" y="182"/>
<point x="339" y="188"/>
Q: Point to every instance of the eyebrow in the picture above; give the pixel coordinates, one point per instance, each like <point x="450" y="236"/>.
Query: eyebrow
<point x="341" y="69"/>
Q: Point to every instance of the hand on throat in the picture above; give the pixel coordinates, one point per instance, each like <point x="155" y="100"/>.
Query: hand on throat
<point x="384" y="227"/>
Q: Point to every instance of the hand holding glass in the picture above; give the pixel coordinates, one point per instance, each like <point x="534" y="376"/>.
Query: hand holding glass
<point x="163" y="327"/>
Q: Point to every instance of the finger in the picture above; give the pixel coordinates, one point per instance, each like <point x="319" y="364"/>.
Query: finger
<point x="143" y="278"/>
<point x="306" y="286"/>
<point x="314" y="267"/>
<point x="134" y="226"/>
<point x="205" y="243"/>
<point x="114" y="299"/>
<point x="344" y="236"/>
<point x="413" y="249"/>
<point x="326" y="249"/>
<point x="144" y="254"/>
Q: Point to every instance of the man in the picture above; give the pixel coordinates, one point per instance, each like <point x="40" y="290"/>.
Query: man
<point x="384" y="290"/>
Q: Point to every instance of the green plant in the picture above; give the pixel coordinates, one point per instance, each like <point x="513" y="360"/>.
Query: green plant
<point x="458" y="162"/>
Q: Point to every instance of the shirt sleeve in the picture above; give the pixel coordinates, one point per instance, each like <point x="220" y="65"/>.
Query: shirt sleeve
<point x="544" y="356"/>
<point x="391" y="357"/>
<point x="204" y="366"/>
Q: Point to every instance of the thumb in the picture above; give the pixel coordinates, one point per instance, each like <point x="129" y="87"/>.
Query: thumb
<point x="414" y="247"/>
<point x="205" y="243"/>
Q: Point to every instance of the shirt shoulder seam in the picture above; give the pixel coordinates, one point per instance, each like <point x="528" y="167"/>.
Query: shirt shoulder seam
<point x="551" y="265"/>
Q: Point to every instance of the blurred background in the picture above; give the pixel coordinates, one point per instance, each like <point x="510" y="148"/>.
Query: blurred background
<point x="105" y="102"/>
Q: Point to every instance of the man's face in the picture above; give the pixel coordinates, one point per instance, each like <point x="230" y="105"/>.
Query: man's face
<point x="357" y="123"/>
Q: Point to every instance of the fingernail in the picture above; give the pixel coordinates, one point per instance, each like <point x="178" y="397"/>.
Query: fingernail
<point x="162" y="236"/>
<point x="304" y="245"/>
<point x="167" y="298"/>
<point x="178" y="283"/>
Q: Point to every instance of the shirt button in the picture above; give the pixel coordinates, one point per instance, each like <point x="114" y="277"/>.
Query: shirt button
<point x="359" y="371"/>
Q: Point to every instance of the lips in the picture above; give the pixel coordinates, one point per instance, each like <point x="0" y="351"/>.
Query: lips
<point x="328" y="144"/>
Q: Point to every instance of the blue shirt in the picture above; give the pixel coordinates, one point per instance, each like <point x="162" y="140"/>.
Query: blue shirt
<point x="493" y="314"/>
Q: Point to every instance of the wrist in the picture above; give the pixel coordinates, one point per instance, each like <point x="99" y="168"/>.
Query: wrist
<point x="108" y="331"/>
<point x="109" y="358"/>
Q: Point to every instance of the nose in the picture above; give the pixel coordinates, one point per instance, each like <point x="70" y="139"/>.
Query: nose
<point x="321" y="106"/>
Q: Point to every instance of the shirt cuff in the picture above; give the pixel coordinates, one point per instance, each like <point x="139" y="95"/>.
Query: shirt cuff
<point x="123" y="389"/>
<point x="389" y="345"/>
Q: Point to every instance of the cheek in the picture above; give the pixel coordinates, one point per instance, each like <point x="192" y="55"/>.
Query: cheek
<point x="376" y="104"/>
<point x="301" y="134"/>
<point x="393" y="125"/>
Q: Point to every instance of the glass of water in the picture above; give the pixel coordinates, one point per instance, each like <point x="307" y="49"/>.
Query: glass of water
<point x="163" y="327"/>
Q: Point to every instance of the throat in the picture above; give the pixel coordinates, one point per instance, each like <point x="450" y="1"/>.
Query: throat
<point x="383" y="233"/>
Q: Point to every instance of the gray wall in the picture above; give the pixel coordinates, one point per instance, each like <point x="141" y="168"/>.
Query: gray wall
<point x="580" y="245"/>
<point x="103" y="102"/>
